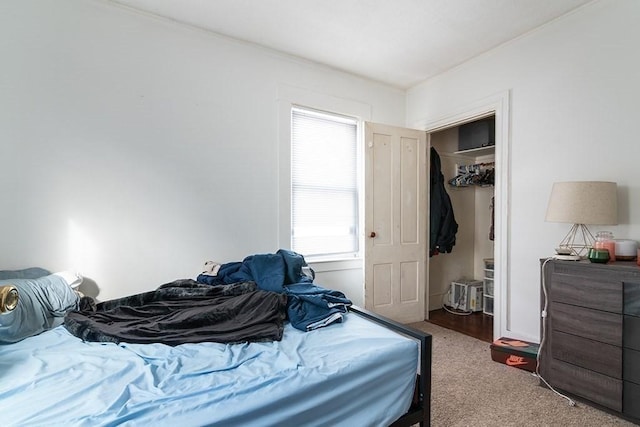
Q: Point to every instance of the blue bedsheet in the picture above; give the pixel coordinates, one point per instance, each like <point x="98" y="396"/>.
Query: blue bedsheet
<point x="355" y="373"/>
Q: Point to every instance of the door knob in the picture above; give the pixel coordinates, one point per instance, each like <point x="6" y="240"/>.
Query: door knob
<point x="373" y="234"/>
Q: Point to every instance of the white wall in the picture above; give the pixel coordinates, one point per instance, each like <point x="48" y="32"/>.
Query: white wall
<point x="574" y="116"/>
<point x="134" y="149"/>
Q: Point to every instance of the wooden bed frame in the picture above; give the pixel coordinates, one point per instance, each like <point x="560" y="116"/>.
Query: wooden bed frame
<point x="420" y="410"/>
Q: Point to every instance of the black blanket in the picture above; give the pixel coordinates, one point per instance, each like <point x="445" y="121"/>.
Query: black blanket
<point x="185" y="311"/>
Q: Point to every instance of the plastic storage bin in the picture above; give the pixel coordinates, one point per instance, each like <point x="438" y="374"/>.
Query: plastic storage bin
<point x="487" y="305"/>
<point x="488" y="286"/>
<point x="487" y="297"/>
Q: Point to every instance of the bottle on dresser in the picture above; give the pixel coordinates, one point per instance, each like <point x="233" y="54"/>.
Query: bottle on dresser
<point x="604" y="240"/>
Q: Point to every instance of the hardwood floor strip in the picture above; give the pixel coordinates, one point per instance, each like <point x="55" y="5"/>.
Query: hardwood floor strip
<point x="477" y="325"/>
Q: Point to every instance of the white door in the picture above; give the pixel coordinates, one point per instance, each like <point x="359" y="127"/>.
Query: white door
<point x="396" y="212"/>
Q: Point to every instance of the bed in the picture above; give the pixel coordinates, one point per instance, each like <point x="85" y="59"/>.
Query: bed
<point x="363" y="371"/>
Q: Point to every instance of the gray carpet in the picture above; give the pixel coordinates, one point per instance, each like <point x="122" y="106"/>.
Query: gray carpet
<point x="470" y="389"/>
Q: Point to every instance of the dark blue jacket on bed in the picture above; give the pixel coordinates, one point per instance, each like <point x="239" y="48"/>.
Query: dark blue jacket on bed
<point x="270" y="271"/>
<point x="309" y="306"/>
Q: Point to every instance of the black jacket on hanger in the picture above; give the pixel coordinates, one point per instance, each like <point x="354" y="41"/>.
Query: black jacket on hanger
<point x="443" y="225"/>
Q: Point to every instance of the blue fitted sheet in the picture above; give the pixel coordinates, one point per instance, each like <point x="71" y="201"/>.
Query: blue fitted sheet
<point x="354" y="373"/>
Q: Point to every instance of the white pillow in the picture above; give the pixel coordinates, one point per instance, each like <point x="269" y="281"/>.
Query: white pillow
<point x="73" y="279"/>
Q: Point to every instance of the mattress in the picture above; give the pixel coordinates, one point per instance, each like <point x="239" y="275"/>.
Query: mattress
<point x="354" y="373"/>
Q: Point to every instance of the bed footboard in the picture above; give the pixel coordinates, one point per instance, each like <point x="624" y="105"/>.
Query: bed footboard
<point x="420" y="410"/>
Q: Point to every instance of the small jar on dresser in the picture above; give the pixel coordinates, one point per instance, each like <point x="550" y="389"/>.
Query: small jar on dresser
<point x="590" y="332"/>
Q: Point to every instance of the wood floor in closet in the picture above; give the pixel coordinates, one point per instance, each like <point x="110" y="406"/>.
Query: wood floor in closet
<point x="477" y="325"/>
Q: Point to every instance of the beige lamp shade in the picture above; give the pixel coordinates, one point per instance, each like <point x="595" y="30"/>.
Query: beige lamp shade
<point x="583" y="202"/>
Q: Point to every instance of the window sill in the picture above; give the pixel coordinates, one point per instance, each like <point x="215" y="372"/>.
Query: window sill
<point x="320" y="265"/>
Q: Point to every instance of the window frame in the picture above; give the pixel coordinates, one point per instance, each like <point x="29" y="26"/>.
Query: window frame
<point x="290" y="97"/>
<point x="357" y="200"/>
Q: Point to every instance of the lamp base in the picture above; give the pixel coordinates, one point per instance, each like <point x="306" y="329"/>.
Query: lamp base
<point x="577" y="241"/>
<point x="568" y="257"/>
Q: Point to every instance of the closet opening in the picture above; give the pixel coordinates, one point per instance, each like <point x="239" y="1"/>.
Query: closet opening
<point x="461" y="288"/>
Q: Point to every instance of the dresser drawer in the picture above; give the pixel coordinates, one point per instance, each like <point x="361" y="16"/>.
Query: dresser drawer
<point x="598" y="388"/>
<point x="591" y="324"/>
<point x="631" y="369"/>
<point x="593" y="291"/>
<point x="632" y="298"/>
<point x="631" y="334"/>
<point x="594" y="355"/>
<point x="631" y="401"/>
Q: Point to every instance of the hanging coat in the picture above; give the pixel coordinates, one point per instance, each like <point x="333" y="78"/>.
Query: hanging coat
<point x="443" y="225"/>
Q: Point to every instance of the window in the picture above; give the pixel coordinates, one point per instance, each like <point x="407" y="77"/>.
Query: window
<point x="324" y="183"/>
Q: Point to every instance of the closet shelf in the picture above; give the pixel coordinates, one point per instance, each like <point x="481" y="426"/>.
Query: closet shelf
<point x="475" y="152"/>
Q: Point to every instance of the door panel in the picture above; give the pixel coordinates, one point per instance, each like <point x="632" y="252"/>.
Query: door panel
<point x="382" y="284"/>
<point x="395" y="222"/>
<point x="409" y="272"/>
<point x="381" y="190"/>
<point x="409" y="169"/>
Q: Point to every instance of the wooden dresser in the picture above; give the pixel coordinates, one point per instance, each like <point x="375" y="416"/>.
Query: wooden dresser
<point x="592" y="334"/>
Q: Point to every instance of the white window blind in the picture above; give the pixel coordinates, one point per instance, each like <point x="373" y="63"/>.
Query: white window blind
<point x="324" y="183"/>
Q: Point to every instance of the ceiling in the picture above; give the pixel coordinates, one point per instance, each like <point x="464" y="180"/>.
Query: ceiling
<point x="397" y="42"/>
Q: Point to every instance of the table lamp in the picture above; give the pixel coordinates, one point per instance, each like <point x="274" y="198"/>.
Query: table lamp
<point x="581" y="203"/>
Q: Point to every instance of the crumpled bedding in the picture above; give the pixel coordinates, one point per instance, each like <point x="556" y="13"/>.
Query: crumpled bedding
<point x="42" y="305"/>
<point x="311" y="307"/>
<point x="244" y="301"/>
<point x="185" y="311"/>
